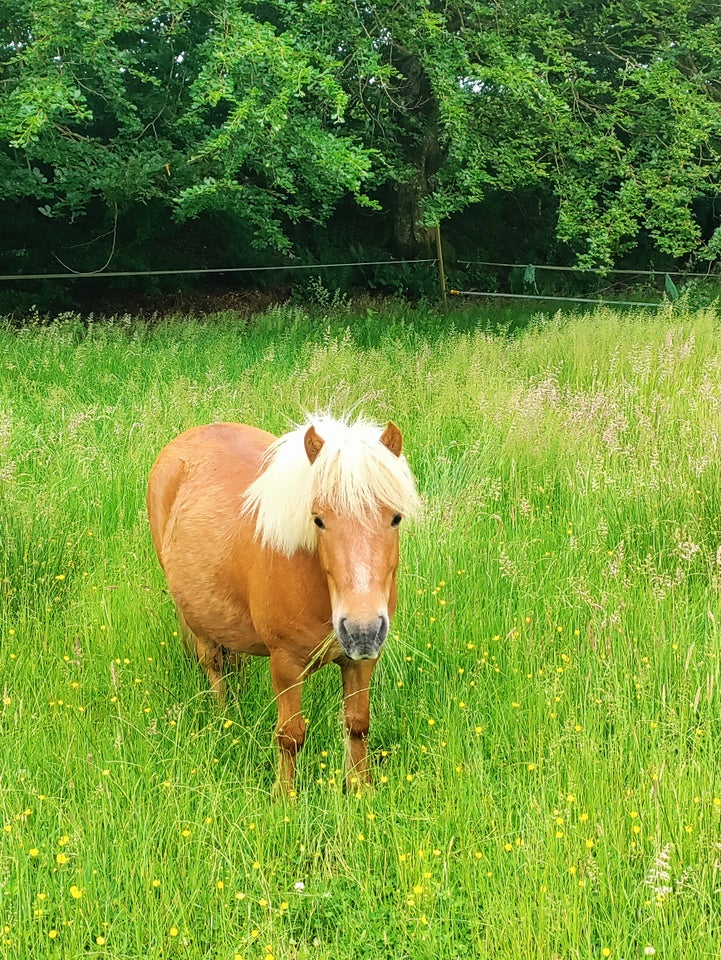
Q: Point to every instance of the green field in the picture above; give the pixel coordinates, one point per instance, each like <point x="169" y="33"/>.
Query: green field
<point x="545" y="720"/>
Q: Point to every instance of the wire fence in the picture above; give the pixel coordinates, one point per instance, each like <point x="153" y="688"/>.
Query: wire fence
<point x="599" y="270"/>
<point x="669" y="294"/>
<point x="539" y="296"/>
<point x="101" y="274"/>
<point x="671" y="291"/>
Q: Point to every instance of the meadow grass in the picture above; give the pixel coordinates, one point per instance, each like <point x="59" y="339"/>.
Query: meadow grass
<point x="545" y="718"/>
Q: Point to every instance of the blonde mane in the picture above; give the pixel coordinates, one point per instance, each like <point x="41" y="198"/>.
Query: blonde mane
<point x="353" y="474"/>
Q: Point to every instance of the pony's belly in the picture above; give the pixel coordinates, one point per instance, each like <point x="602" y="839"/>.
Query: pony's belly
<point x="225" y="626"/>
<point x="239" y="636"/>
<point x="254" y="648"/>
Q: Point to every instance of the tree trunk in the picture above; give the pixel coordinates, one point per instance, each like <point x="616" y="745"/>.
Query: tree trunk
<point x="411" y="238"/>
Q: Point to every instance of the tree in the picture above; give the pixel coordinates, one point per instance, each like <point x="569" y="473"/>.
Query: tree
<point x="201" y="108"/>
<point x="614" y="105"/>
<point x="273" y="112"/>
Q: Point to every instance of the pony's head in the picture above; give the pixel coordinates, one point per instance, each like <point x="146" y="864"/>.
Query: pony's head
<point x="341" y="490"/>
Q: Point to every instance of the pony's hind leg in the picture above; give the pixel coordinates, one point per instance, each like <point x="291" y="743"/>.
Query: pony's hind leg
<point x="210" y="657"/>
<point x="238" y="662"/>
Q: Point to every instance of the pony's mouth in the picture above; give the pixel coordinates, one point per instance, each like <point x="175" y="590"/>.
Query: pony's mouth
<point x="362" y="640"/>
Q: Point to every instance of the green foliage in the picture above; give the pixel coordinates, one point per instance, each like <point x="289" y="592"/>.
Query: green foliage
<point x="272" y="113"/>
<point x="204" y="111"/>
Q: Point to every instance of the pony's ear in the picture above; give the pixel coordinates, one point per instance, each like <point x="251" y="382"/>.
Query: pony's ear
<point x="313" y="443"/>
<point x="392" y="438"/>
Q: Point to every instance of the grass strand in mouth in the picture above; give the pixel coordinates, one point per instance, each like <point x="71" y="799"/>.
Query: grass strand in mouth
<point x="545" y="715"/>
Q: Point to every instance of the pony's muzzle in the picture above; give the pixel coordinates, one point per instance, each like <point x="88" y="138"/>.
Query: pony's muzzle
<point x="362" y="640"/>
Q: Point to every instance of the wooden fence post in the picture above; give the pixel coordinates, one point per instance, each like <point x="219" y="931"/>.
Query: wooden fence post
<point x="441" y="271"/>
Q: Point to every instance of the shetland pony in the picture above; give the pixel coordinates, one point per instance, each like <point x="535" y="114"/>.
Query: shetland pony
<point x="287" y="548"/>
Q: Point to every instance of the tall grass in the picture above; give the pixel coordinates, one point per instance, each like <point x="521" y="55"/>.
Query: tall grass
<point x="545" y="719"/>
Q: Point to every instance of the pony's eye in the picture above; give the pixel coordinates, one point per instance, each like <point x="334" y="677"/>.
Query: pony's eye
<point x="396" y="520"/>
<point x="319" y="523"/>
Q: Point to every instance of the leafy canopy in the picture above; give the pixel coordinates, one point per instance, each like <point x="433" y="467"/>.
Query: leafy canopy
<point x="275" y="111"/>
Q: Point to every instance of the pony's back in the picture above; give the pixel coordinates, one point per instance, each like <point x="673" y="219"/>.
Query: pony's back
<point x="200" y="471"/>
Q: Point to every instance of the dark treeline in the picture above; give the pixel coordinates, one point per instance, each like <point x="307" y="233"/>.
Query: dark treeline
<point x="240" y="134"/>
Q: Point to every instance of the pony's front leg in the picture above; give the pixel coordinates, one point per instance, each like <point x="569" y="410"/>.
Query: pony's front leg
<point x="356" y="701"/>
<point x="287" y="676"/>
